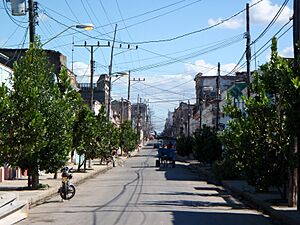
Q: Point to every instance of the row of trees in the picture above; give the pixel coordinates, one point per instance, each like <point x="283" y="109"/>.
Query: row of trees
<point x="42" y="120"/>
<point x="258" y="143"/>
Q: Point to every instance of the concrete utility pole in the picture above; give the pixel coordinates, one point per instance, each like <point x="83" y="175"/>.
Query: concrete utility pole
<point x="110" y="71"/>
<point x="248" y="49"/>
<point x="92" y="50"/>
<point x="296" y="37"/>
<point x="129" y="83"/>
<point x="128" y="93"/>
<point x="218" y="97"/>
<point x="189" y="119"/>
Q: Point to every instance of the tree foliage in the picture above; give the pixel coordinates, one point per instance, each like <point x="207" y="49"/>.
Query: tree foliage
<point x="128" y="137"/>
<point x="36" y="109"/>
<point x="207" y="147"/>
<point x="258" y="141"/>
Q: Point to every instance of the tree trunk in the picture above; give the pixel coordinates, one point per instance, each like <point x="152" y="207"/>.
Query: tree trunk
<point x="84" y="165"/>
<point x="29" y="179"/>
<point x="55" y="175"/>
<point x="292" y="187"/>
<point x="35" y="178"/>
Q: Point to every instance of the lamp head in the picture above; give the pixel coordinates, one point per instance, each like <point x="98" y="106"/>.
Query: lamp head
<point x="85" y="26"/>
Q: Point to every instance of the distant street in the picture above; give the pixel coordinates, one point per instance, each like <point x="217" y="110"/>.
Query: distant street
<point x="138" y="193"/>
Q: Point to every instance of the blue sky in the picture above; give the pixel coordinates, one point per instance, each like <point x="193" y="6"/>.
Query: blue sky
<point x="176" y="39"/>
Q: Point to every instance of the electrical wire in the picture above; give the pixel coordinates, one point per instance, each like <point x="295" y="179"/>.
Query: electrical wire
<point x="143" y="14"/>
<point x="15" y="21"/>
<point x="72" y="11"/>
<point x="185" y="57"/>
<point x="266" y="46"/>
<point x="272" y="22"/>
<point x="193" y="32"/>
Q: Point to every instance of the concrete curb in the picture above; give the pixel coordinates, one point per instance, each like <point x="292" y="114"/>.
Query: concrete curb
<point x="261" y="205"/>
<point x="42" y="197"/>
<point x="250" y="199"/>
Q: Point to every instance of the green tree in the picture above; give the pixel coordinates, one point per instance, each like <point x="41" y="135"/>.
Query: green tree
<point x="207" y="147"/>
<point x="6" y="127"/>
<point x="84" y="137"/>
<point x="259" y="140"/>
<point x="184" y="145"/>
<point x="40" y="137"/>
<point x="128" y="137"/>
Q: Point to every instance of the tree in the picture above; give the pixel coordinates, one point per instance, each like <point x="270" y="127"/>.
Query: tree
<point x="259" y="140"/>
<point x="207" y="147"/>
<point x="84" y="137"/>
<point x="39" y="110"/>
<point x="128" y="137"/>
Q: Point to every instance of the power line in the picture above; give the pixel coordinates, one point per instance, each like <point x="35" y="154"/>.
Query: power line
<point x="271" y="22"/>
<point x="196" y="31"/>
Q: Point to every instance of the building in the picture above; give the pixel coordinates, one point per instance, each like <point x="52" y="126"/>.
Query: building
<point x="208" y="109"/>
<point x="121" y="110"/>
<point x="140" y="119"/>
<point x="182" y="120"/>
<point x="100" y="91"/>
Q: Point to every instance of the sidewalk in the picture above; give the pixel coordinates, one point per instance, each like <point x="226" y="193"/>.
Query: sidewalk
<point x="265" y="202"/>
<point x="33" y="197"/>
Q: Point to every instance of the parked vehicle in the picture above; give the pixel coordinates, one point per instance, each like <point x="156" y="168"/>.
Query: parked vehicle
<point x="166" y="156"/>
<point x="67" y="189"/>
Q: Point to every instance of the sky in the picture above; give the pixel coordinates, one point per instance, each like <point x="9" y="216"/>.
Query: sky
<point x="175" y="39"/>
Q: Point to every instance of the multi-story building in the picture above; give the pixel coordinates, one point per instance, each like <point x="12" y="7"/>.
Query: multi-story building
<point x="208" y="95"/>
<point x="140" y="119"/>
<point x="182" y="118"/>
<point x="121" y="110"/>
<point x="100" y="91"/>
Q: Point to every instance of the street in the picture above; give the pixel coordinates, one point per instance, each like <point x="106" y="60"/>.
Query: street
<point x="138" y="193"/>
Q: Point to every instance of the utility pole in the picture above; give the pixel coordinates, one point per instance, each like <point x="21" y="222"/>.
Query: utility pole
<point x="110" y="72"/>
<point x="217" y="97"/>
<point x="200" y="112"/>
<point x="128" y="93"/>
<point x="189" y="118"/>
<point x="248" y="49"/>
<point x="92" y="50"/>
<point x="32" y="6"/>
<point x="129" y="83"/>
<point x="296" y="37"/>
<point x="138" y="116"/>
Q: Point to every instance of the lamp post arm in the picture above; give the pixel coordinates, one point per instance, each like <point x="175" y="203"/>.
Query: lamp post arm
<point x="57" y="35"/>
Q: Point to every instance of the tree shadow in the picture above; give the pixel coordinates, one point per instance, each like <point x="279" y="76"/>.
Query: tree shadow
<point x="222" y="218"/>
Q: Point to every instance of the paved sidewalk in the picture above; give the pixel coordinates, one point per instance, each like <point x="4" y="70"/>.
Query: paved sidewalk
<point x="261" y="201"/>
<point x="18" y="186"/>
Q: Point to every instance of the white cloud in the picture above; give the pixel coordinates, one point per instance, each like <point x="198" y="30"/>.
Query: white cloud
<point x="43" y="17"/>
<point x="208" y="69"/>
<point x="230" y="24"/>
<point x="265" y="11"/>
<point x="287" y="52"/>
<point x="262" y="13"/>
<point x="82" y="71"/>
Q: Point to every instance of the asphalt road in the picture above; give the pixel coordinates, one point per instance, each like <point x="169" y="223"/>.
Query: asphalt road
<point x="138" y="193"/>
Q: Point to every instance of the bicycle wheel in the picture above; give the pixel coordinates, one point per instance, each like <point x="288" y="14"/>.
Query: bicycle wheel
<point x="68" y="193"/>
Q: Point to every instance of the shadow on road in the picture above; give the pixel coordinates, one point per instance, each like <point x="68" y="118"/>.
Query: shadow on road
<point x="210" y="218"/>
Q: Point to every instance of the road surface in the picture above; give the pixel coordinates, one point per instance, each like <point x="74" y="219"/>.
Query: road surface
<point x="138" y="193"/>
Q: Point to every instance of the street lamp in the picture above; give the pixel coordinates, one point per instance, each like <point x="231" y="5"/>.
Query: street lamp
<point x="118" y="75"/>
<point x="77" y="26"/>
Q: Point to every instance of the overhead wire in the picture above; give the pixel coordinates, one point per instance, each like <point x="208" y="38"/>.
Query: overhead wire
<point x="196" y="31"/>
<point x="272" y="22"/>
<point x="15" y="21"/>
<point x="266" y="45"/>
<point x="188" y="56"/>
